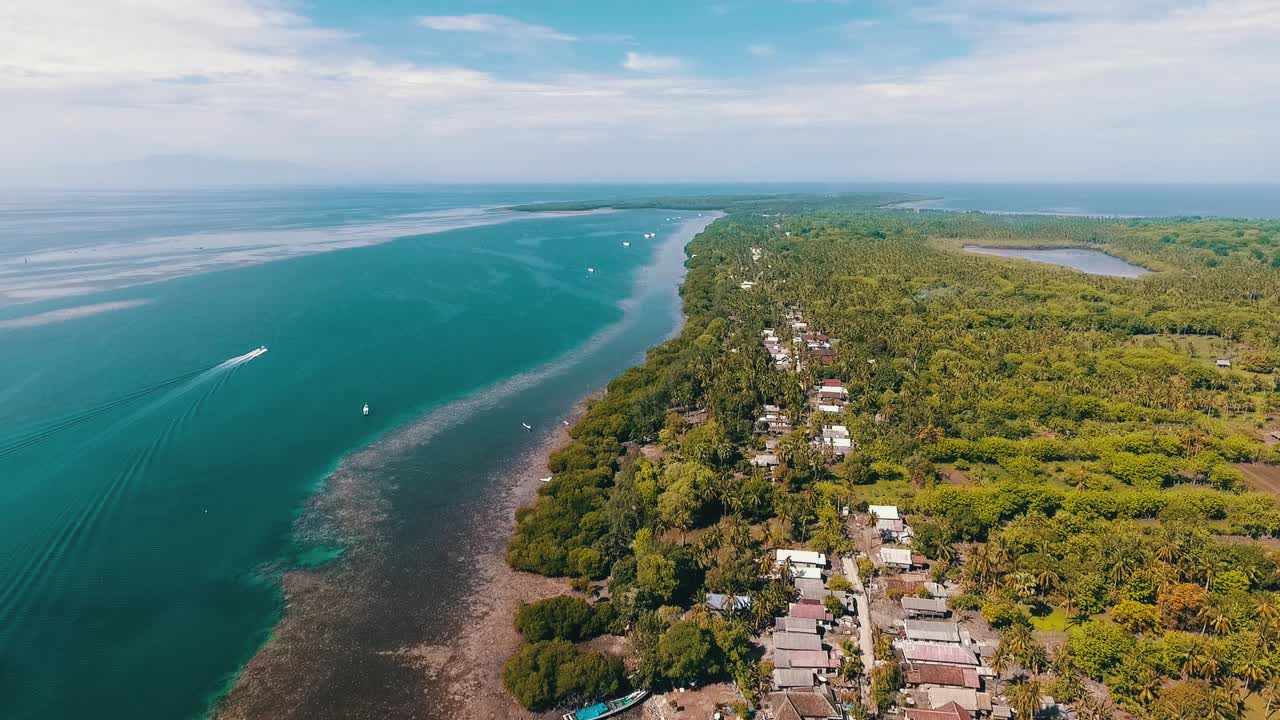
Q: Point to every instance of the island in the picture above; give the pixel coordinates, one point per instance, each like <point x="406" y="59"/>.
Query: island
<point x="876" y="475"/>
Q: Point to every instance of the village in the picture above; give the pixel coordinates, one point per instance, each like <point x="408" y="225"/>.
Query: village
<point x="870" y="612"/>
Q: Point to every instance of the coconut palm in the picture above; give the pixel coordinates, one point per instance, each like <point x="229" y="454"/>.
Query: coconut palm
<point x="1024" y="698"/>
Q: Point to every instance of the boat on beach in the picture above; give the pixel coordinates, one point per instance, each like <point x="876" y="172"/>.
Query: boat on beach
<point x="608" y="709"/>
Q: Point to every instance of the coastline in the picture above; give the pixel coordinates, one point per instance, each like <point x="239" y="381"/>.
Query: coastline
<point x="355" y="638"/>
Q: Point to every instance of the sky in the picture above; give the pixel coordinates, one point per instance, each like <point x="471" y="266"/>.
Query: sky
<point x="645" y="91"/>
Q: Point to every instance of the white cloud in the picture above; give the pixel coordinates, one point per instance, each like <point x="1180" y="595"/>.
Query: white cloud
<point x="644" y="62"/>
<point x="496" y="24"/>
<point x="762" y="50"/>
<point x="1112" y="90"/>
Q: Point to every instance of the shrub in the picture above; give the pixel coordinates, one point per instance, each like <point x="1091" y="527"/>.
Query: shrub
<point x="562" y="618"/>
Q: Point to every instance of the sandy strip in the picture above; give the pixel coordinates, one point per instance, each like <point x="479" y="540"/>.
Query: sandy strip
<point x="72" y="313"/>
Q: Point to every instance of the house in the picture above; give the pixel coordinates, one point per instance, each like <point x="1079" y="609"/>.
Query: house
<point x="826" y="356"/>
<point x="971" y="700"/>
<point x="747" y="285"/>
<point x="820" y="661"/>
<point x="806" y="573"/>
<point x="793" y="678"/>
<point x="799" y="705"/>
<point x="835" y="438"/>
<point x="808" y="611"/>
<point x="797" y="641"/>
<point x="950" y="711"/>
<point x="884" y="512"/>
<point x="811" y="589"/>
<point x="937" y="654"/>
<point x="896" y="557"/>
<point x="1224" y="363"/>
<point x="931" y="631"/>
<point x="924" y="607"/>
<point x="795" y="625"/>
<point x="944" y="675"/>
<point x="832" y="390"/>
<point x="829" y="408"/>
<point x="724" y="603"/>
<point x="765" y="460"/>
<point x="892" y="530"/>
<point x="801" y="557"/>
<point x="937" y="590"/>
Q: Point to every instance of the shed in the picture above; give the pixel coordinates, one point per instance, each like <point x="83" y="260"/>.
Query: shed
<point x="765" y="460"/>
<point x="811" y="589"/>
<point x="1223" y="362"/>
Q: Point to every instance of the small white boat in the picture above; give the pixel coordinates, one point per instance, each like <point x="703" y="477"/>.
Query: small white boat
<point x="566" y="423"/>
<point x="545" y="479"/>
<point x="527" y="426"/>
<point x="626" y="244"/>
<point x="366" y="409"/>
<point x="591" y="270"/>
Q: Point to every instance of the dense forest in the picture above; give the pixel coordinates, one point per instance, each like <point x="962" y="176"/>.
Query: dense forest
<point x="1067" y="445"/>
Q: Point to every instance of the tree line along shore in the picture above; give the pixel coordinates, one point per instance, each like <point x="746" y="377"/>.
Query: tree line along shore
<point x="1081" y="471"/>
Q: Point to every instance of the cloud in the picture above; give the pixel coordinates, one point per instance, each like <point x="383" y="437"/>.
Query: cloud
<point x="495" y="24"/>
<point x="762" y="50"/>
<point x="1124" y="89"/>
<point x="644" y="62"/>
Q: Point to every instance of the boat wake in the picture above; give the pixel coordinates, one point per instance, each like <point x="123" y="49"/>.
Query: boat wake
<point x="32" y="571"/>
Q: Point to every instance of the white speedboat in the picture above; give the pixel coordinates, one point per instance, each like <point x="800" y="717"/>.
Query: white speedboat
<point x="366" y="409"/>
<point x="626" y="244"/>
<point x="527" y="426"/>
<point x="545" y="479"/>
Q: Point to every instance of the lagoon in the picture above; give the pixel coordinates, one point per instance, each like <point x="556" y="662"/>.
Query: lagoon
<point x="1093" y="262"/>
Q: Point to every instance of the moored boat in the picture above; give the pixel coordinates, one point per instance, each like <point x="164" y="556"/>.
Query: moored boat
<point x="608" y="709"/>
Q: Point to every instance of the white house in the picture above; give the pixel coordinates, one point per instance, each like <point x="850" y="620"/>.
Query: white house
<point x="896" y="557"/>
<point x="801" y="558"/>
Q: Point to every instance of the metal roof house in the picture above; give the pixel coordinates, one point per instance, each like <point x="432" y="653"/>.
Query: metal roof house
<point x="937" y="654"/>
<point x="796" y="641"/>
<point x="884" y="512"/>
<point x="793" y="678"/>
<point x="896" y="557"/>
<point x="801" y="557"/>
<point x="931" y="631"/>
<point x="724" y="603"/>
<point x="924" y="607"/>
<point x="946" y="675"/>
<point x="795" y="625"/>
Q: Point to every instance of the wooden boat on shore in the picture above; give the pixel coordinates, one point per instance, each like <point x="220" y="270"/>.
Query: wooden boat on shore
<point x="608" y="709"/>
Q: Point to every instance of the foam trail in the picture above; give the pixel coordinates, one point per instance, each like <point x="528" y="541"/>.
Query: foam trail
<point x="73" y="526"/>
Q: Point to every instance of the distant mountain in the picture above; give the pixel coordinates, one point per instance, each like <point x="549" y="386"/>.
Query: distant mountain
<point x="168" y="171"/>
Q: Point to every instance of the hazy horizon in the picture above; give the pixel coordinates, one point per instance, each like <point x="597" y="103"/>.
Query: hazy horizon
<point x="494" y="91"/>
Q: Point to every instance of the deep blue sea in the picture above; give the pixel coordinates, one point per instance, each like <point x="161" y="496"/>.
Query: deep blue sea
<point x="154" y="465"/>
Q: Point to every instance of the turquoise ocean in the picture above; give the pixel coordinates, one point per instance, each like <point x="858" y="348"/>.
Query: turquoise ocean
<point x="153" y="466"/>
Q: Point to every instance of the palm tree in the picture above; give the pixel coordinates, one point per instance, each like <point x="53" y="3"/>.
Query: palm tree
<point x="1271" y="696"/>
<point x="1225" y="703"/>
<point x="1094" y="708"/>
<point x="1024" y="698"/>
<point x="1048" y="578"/>
<point x="1254" y="672"/>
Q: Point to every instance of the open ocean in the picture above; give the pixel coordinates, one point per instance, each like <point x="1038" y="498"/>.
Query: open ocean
<point x="154" y="467"/>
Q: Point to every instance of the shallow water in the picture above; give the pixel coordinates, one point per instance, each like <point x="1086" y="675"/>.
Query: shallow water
<point x="1092" y="262"/>
<point x="141" y="543"/>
